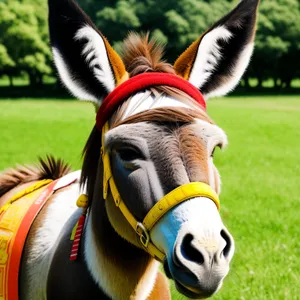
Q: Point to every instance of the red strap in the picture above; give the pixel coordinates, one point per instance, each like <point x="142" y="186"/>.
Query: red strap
<point x="14" y="264"/>
<point x="77" y="238"/>
<point x="140" y="83"/>
<point x="20" y="239"/>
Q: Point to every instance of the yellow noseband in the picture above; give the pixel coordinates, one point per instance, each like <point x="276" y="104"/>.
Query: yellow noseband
<point x="178" y="195"/>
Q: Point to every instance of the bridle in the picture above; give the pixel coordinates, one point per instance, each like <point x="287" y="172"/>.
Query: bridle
<point x="180" y="194"/>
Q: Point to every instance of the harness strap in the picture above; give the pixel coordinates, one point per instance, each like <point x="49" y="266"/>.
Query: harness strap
<point x="16" y="218"/>
<point x="24" y="193"/>
<point x="109" y="182"/>
<point x="178" y="195"/>
<point x="15" y="222"/>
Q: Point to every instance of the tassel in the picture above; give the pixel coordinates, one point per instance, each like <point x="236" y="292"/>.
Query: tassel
<point x="78" y="229"/>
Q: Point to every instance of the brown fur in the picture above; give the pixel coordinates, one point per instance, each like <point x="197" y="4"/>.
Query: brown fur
<point x="166" y="115"/>
<point x="161" y="290"/>
<point x="50" y="168"/>
<point x="185" y="62"/>
<point x="115" y="61"/>
<point x="194" y="155"/>
<point x="142" y="55"/>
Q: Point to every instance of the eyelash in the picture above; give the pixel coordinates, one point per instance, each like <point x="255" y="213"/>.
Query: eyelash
<point x="129" y="154"/>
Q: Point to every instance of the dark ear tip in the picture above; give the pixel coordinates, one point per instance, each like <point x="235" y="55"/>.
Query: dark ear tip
<point x="250" y="4"/>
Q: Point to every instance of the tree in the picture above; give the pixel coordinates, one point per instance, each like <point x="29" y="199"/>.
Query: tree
<point x="24" y="42"/>
<point x="178" y="23"/>
<point x="175" y="23"/>
<point x="278" y="42"/>
<point x="23" y="31"/>
<point x="6" y="63"/>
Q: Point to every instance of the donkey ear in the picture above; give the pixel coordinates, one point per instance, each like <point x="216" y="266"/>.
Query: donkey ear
<point x="217" y="60"/>
<point x="86" y="63"/>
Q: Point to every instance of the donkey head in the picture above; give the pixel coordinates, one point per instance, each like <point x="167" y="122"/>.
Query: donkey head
<point x="159" y="138"/>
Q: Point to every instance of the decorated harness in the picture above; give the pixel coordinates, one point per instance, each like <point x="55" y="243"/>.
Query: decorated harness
<point x="180" y="194"/>
<point x="16" y="218"/>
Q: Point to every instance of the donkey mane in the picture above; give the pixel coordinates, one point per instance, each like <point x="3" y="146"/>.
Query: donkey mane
<point x="141" y="54"/>
<point x="49" y="168"/>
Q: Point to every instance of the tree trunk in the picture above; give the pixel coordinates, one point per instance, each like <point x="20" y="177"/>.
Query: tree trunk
<point x="40" y="79"/>
<point x="33" y="80"/>
<point x="288" y="83"/>
<point x="260" y="82"/>
<point x="247" y="82"/>
<point x="11" y="81"/>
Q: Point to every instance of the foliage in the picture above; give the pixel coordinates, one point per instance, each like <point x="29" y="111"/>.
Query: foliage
<point x="24" y="33"/>
<point x="277" y="49"/>
<point x="5" y="60"/>
<point x="179" y="23"/>
<point x="24" y="39"/>
<point x="174" y="23"/>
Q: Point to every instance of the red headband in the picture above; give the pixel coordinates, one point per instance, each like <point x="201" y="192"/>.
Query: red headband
<point x="139" y="83"/>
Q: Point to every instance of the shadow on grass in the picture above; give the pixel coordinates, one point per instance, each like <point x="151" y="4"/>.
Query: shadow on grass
<point x="46" y="91"/>
<point x="58" y="92"/>
<point x="263" y="91"/>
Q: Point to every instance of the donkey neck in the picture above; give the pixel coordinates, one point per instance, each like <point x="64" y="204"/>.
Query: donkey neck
<point x="120" y="269"/>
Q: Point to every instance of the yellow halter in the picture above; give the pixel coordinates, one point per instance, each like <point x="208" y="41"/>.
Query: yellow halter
<point x="178" y="195"/>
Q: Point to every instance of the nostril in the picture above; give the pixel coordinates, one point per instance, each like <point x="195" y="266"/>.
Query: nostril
<point x="189" y="252"/>
<point x="228" y="241"/>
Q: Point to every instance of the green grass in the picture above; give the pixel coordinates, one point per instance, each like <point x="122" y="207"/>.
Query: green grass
<point x="260" y="173"/>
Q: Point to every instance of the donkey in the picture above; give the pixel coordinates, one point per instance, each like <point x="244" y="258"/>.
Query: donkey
<point x="157" y="139"/>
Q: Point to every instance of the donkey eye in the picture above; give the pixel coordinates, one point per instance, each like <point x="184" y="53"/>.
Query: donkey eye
<point x="129" y="154"/>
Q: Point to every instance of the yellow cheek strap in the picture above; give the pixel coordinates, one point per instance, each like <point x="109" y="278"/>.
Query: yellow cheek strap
<point x="178" y="195"/>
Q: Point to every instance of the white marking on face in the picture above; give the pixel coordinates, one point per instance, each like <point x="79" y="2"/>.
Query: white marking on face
<point x="208" y="56"/>
<point x="199" y="216"/>
<point x="95" y="48"/>
<point x="74" y="86"/>
<point x="147" y="100"/>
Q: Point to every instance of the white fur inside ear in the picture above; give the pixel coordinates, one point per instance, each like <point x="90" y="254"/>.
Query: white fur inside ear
<point x="96" y="56"/>
<point x="208" y="56"/>
<point x="237" y="72"/>
<point x="69" y="81"/>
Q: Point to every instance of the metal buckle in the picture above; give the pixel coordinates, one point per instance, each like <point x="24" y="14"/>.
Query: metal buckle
<point x="143" y="234"/>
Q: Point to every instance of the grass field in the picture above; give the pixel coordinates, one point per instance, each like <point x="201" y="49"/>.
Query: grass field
<point x="260" y="171"/>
